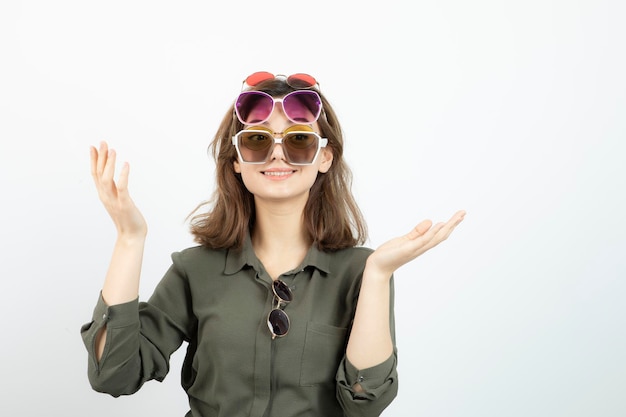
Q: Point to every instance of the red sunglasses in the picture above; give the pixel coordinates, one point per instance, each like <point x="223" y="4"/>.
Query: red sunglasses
<point x="299" y="81"/>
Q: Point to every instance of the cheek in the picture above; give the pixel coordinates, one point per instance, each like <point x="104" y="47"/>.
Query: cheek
<point x="251" y="180"/>
<point x="310" y="176"/>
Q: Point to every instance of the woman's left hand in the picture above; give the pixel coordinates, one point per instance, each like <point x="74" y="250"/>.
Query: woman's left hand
<point x="401" y="250"/>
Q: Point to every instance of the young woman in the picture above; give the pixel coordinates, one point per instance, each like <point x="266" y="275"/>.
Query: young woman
<point x="283" y="312"/>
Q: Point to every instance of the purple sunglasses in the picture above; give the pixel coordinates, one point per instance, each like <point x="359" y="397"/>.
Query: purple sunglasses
<point x="300" y="106"/>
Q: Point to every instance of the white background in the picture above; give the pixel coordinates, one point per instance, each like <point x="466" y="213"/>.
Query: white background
<point x="513" y="111"/>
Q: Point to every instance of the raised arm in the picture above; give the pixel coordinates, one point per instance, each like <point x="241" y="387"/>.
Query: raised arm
<point x="370" y="341"/>
<point x="121" y="283"/>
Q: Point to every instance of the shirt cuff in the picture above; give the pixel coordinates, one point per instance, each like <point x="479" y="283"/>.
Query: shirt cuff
<point x="374" y="380"/>
<point x="116" y="316"/>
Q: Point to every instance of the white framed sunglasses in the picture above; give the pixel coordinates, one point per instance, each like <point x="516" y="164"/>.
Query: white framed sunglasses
<point x="301" y="145"/>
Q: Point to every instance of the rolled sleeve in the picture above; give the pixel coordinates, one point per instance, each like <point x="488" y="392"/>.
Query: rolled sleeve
<point x="117" y="316"/>
<point x="114" y="317"/>
<point x="122" y="323"/>
<point x="140" y="336"/>
<point x="379" y="386"/>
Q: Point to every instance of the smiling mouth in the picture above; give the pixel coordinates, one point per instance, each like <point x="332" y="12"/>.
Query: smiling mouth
<point x="277" y="173"/>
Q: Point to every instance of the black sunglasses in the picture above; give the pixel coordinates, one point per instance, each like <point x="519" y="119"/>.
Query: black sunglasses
<point x="277" y="320"/>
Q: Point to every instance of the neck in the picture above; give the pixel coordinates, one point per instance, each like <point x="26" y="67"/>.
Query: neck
<point x="279" y="238"/>
<point x="279" y="225"/>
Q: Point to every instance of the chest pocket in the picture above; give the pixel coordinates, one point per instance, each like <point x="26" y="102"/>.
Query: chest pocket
<point x="324" y="347"/>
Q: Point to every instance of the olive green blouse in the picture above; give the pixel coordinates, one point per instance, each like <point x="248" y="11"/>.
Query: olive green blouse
<point x="217" y="302"/>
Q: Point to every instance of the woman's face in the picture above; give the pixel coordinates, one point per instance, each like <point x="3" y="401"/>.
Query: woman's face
<point x="276" y="179"/>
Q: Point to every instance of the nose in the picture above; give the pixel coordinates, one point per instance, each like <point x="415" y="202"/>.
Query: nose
<point x="278" y="122"/>
<point x="277" y="152"/>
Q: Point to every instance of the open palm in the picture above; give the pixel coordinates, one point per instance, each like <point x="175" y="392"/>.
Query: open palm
<point x="396" y="252"/>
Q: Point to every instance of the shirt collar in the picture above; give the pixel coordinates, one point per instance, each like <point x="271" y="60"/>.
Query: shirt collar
<point x="237" y="259"/>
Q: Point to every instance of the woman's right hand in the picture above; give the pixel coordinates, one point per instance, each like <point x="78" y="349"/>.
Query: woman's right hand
<point x="128" y="220"/>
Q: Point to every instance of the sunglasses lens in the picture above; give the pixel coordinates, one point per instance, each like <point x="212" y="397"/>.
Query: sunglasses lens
<point x="301" y="81"/>
<point x="300" y="147"/>
<point x="258" y="77"/>
<point x="282" y="291"/>
<point x="254" y="107"/>
<point x="278" y="322"/>
<point x="255" y="145"/>
<point x="302" y="106"/>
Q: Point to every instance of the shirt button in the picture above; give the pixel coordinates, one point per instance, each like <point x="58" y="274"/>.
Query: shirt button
<point x="104" y="317"/>
<point x="361" y="378"/>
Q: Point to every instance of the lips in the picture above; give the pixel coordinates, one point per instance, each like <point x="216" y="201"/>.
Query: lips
<point x="278" y="173"/>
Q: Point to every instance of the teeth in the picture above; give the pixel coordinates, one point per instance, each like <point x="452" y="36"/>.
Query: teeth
<point x="277" y="173"/>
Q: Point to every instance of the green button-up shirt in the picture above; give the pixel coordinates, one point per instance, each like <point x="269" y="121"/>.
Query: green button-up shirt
<point x="217" y="302"/>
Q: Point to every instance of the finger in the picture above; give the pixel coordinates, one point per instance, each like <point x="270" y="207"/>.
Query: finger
<point x="122" y="182"/>
<point x="457" y="217"/>
<point x="455" y="220"/>
<point x="103" y="152"/>
<point x="122" y="185"/>
<point x="425" y="236"/>
<point x="447" y="228"/>
<point x="419" y="230"/>
<point x="434" y="232"/>
<point x="109" y="170"/>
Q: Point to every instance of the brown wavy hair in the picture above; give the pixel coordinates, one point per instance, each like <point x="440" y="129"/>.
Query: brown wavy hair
<point x="332" y="218"/>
